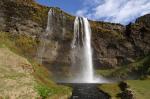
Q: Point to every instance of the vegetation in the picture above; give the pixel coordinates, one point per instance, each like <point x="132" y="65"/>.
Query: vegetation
<point x="140" y="68"/>
<point x="140" y="89"/>
<point x="26" y="9"/>
<point x="25" y="46"/>
<point x="21" y="43"/>
<point x="46" y="87"/>
<point x="111" y="89"/>
<point x="43" y="91"/>
<point x="49" y="92"/>
<point x="105" y="29"/>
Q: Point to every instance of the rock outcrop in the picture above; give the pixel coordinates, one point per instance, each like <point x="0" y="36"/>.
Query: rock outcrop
<point x="126" y="92"/>
<point x="113" y="44"/>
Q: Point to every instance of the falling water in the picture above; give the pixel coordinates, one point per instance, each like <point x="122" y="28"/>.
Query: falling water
<point x="88" y="51"/>
<point x="49" y="29"/>
<point x="82" y="51"/>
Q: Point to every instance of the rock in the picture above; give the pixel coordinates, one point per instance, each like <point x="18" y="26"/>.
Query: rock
<point x="126" y="92"/>
<point x="112" y="45"/>
<point x="123" y="86"/>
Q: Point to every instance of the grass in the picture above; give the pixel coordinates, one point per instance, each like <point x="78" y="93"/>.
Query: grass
<point x="48" y="92"/>
<point x="8" y="73"/>
<point x="43" y="91"/>
<point x="140" y="68"/>
<point x="24" y="45"/>
<point x="111" y="89"/>
<point x="20" y="44"/>
<point x="4" y="41"/>
<point x="14" y="80"/>
<point x="140" y="89"/>
<point x="46" y="87"/>
<point x="107" y="30"/>
<point x="105" y="72"/>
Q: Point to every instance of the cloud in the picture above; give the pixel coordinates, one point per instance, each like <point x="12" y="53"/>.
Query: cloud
<point x="118" y="11"/>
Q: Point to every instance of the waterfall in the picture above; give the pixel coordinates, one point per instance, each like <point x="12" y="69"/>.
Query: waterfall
<point x="82" y="51"/>
<point x="50" y="24"/>
<point x="43" y="37"/>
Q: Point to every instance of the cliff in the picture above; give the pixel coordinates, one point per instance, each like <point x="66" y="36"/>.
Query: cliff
<point x="113" y="44"/>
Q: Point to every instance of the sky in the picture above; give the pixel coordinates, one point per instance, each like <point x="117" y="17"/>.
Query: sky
<point x="116" y="11"/>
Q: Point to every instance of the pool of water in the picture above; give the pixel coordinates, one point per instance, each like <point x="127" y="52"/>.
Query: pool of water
<point x="87" y="91"/>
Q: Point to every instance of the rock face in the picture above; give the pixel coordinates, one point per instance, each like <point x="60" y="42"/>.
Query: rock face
<point x="113" y="44"/>
<point x="117" y="45"/>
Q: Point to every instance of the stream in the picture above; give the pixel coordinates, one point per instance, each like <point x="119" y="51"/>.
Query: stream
<point x="87" y="91"/>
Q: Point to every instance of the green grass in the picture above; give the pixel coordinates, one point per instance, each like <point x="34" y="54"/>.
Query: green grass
<point x="111" y="89"/>
<point x="21" y="44"/>
<point x="5" y="41"/>
<point x="140" y="88"/>
<point x="140" y="68"/>
<point x="46" y="87"/>
<point x="48" y="92"/>
<point x="105" y="72"/>
<point x="43" y="91"/>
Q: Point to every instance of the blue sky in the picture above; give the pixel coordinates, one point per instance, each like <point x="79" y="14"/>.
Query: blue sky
<point x="117" y="11"/>
<point x="70" y="6"/>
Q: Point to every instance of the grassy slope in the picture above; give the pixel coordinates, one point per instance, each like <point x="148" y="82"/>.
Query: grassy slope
<point x="111" y="89"/>
<point x="15" y="81"/>
<point x="139" y="87"/>
<point x="140" y="67"/>
<point x="24" y="46"/>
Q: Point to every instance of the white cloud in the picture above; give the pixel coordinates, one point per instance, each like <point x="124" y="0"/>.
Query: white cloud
<point x="81" y="12"/>
<point x="93" y="2"/>
<point x="118" y="11"/>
